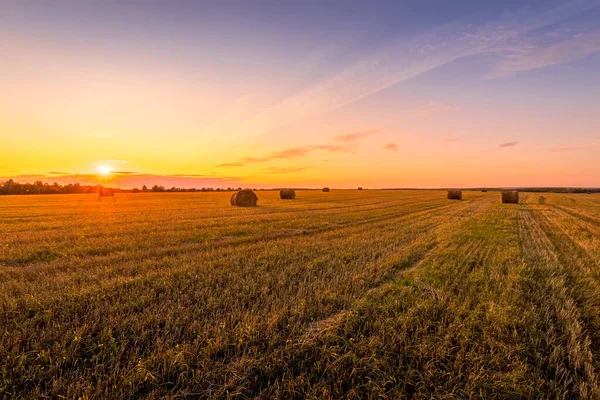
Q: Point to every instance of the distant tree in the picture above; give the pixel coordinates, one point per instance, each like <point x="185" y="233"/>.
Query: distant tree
<point x="11" y="187"/>
<point x="144" y="188"/>
<point x="135" y="190"/>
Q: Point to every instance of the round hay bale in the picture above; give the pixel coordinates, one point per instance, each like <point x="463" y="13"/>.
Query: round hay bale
<point x="542" y="200"/>
<point x="484" y="190"/>
<point x="510" y="197"/>
<point x="455" y="194"/>
<point x="106" y="192"/>
<point x="359" y="188"/>
<point x="326" y="189"/>
<point x="244" y="198"/>
<point x="287" y="194"/>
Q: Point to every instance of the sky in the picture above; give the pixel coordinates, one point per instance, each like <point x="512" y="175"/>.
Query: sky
<point x="307" y="93"/>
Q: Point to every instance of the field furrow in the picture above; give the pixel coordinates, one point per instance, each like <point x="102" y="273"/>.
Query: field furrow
<point x="576" y="250"/>
<point x="377" y="294"/>
<point x="260" y="288"/>
<point x="560" y="340"/>
<point x="100" y="272"/>
<point x="438" y="330"/>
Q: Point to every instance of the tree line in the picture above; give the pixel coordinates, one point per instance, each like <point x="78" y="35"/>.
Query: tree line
<point x="38" y="187"/>
<point x="10" y="187"/>
<point x="157" y="188"/>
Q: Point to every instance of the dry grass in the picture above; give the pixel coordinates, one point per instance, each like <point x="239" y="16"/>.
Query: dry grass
<point x="382" y="294"/>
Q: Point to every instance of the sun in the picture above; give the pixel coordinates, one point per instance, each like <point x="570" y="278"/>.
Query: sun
<point x="104" y="170"/>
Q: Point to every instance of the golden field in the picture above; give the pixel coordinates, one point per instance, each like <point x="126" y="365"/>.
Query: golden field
<point x="347" y="294"/>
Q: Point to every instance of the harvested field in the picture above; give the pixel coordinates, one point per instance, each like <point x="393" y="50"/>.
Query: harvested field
<point x="373" y="294"/>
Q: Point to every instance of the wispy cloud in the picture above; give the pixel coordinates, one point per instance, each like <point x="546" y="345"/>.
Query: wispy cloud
<point x="55" y="173"/>
<point x="284" y="170"/>
<point x="391" y="147"/>
<point x="555" y="47"/>
<point x="293" y="152"/>
<point x="349" y="143"/>
<point x="190" y="175"/>
<point x="400" y="60"/>
<point x="508" y="144"/>
<point x="565" y="149"/>
<point x="351" y="137"/>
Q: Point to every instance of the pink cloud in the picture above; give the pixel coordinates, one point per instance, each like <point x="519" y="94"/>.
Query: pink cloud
<point x="294" y="152"/>
<point x="351" y="137"/>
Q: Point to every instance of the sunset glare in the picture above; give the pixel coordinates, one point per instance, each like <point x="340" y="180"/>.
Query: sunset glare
<point x="104" y="170"/>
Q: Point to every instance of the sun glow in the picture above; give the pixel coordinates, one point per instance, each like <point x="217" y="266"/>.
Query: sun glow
<point x="104" y="170"/>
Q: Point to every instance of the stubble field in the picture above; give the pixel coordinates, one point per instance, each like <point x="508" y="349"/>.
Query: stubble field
<point x="347" y="294"/>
